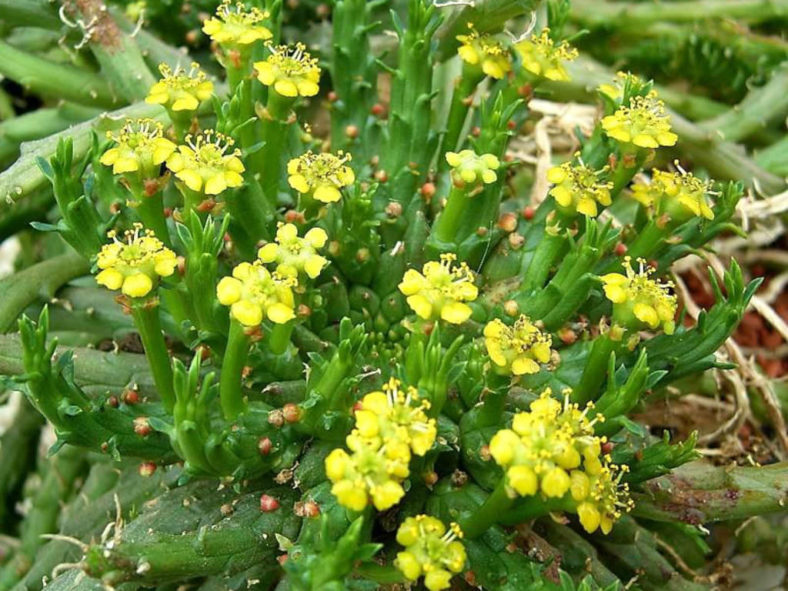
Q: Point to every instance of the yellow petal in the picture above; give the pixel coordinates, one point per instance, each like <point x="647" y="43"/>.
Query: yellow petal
<point x="524" y="366"/>
<point x="268" y="252"/>
<point x="228" y="291"/>
<point x="247" y="313"/>
<point x="137" y="285"/>
<point x="280" y="313"/>
<point x="421" y="306"/>
<point x="110" y="278"/>
<point x="455" y="312"/>
<point x="327" y="194"/>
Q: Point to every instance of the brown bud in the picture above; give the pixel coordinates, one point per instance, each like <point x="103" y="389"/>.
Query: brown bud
<point x="481" y="231"/>
<point x="307" y="509"/>
<point x="567" y="335"/>
<point x="507" y="222"/>
<point x="113" y="402"/>
<point x="394" y="209"/>
<point x="362" y="255"/>
<point x="304" y="311"/>
<point x="332" y="97"/>
<point x="381" y="176"/>
<point x="142" y="426"/>
<point x="351" y="131"/>
<point x="476" y="131"/>
<point x="334" y="248"/>
<point x="430" y="478"/>
<point x="516" y="240"/>
<point x="511" y="308"/>
<point x="276" y="418"/>
<point x="484" y="453"/>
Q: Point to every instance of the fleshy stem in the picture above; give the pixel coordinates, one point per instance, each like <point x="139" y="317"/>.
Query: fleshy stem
<point x="488" y="514"/>
<point x="450" y="220"/>
<point x="268" y="160"/>
<point x="279" y="338"/>
<point x="649" y="239"/>
<point x="146" y="318"/>
<point x="458" y="112"/>
<point x="230" y="395"/>
<point x="151" y="212"/>
<point x="596" y="368"/>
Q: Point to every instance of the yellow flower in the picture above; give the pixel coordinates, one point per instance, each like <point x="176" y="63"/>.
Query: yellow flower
<point x="140" y="147"/>
<point x="484" y="51"/>
<point x="320" y="175"/>
<point x="544" y="445"/>
<point x="180" y="90"/>
<point x="134" y="266"/>
<point x="578" y="189"/>
<point x="394" y="415"/>
<point x="370" y="473"/>
<point x="517" y="349"/>
<point x="441" y="291"/>
<point x="639" y="301"/>
<point x="291" y="72"/>
<point x="254" y="294"/>
<point x="543" y="58"/>
<point x="205" y="166"/>
<point x="293" y="254"/>
<point x="615" y="90"/>
<point x="469" y="168"/>
<point x="236" y="25"/>
<point x="430" y="550"/>
<point x="601" y="498"/>
<point x="643" y="123"/>
<point x="680" y="195"/>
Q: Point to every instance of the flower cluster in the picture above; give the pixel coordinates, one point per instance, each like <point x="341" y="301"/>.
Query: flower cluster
<point x="681" y="195"/>
<point x="643" y="123"/>
<point x="134" y="266"/>
<point x="390" y="426"/>
<point x="578" y="189"/>
<point x="440" y="290"/>
<point x="294" y="255"/>
<point x="484" y="52"/>
<point x="320" y="175"/>
<point x="235" y="25"/>
<point x="638" y="301"/>
<point x="205" y="164"/>
<point x="470" y="168"/>
<point x="254" y="294"/>
<point x="139" y="147"/>
<point x="552" y="450"/>
<point x="430" y="550"/>
<point x="517" y="349"/>
<point x="542" y="57"/>
<point x="291" y="72"/>
<point x="180" y="90"/>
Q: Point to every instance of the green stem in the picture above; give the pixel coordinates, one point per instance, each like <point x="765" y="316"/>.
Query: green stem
<point x="458" y="113"/>
<point x="268" y="160"/>
<point x="546" y="253"/>
<point x="633" y="14"/>
<point x="230" y="395"/>
<point x="57" y="80"/>
<point x="451" y="218"/>
<point x="493" y="508"/>
<point x="279" y="338"/>
<point x="595" y="370"/>
<point x="146" y="319"/>
<point x="151" y="212"/>
<point x="648" y="241"/>
<point x="250" y="208"/>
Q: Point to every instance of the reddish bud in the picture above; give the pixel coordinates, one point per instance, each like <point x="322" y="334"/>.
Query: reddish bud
<point x="332" y="97"/>
<point x="304" y="311"/>
<point x="381" y="176"/>
<point x="607" y="447"/>
<point x="428" y="190"/>
<point x="276" y="418"/>
<point x="264" y="446"/>
<point x="113" y="402"/>
<point x="621" y="249"/>
<point x="281" y="559"/>
<point x="378" y="110"/>
<point x="567" y="336"/>
<point x="146" y="469"/>
<point x="476" y="131"/>
<point x="130" y="397"/>
<point x="394" y="209"/>
<point x="528" y="213"/>
<point x="352" y="131"/>
<point x="430" y="478"/>
<point x="268" y="504"/>
<point x="291" y="412"/>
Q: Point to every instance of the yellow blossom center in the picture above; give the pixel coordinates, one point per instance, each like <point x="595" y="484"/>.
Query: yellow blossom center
<point x="207" y="164"/>
<point x="181" y="89"/>
<point x="542" y="57"/>
<point x="441" y="290"/>
<point x="578" y="188"/>
<point x="643" y="123"/>
<point x="517" y="349"/>
<point x="640" y="301"/>
<point x="681" y="195"/>
<point x="237" y="25"/>
<point x="431" y="551"/>
<point x="320" y="175"/>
